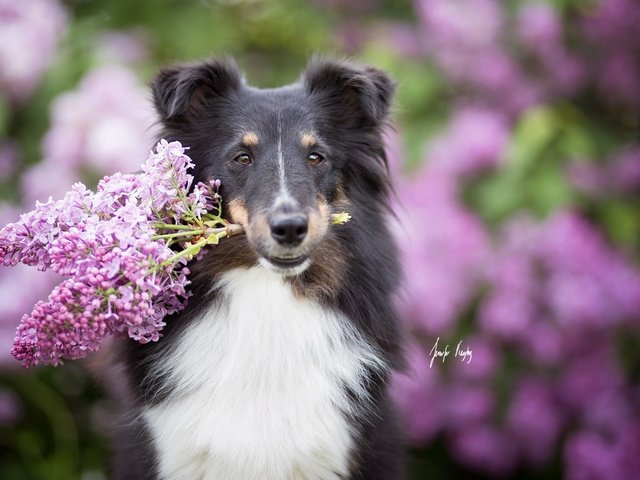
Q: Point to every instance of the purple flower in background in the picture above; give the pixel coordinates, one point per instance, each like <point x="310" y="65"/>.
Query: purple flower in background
<point x="587" y="177"/>
<point x="464" y="38"/>
<point x="415" y="391"/>
<point x="612" y="28"/>
<point x="405" y="39"/>
<point x="540" y="32"/>
<point x="115" y="107"/>
<point x="466" y="404"/>
<point x="589" y="282"/>
<point x="127" y="47"/>
<point x="444" y="248"/>
<point x="29" y="34"/>
<point x="628" y="448"/>
<point x="613" y="23"/>
<point x="619" y="77"/>
<point x="9" y="159"/>
<point x="564" y="275"/>
<point x="459" y="25"/>
<point x="483" y="448"/>
<point x="474" y="142"/>
<point x="46" y="179"/>
<point x="588" y="456"/>
<point x="625" y="170"/>
<point x="592" y="372"/>
<point x="534" y="420"/>
<point x="538" y="26"/>
<point x="104" y="124"/>
<point x="486" y="360"/>
<point x="620" y="175"/>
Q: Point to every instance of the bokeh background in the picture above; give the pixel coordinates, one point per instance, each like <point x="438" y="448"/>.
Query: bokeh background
<point x="517" y="165"/>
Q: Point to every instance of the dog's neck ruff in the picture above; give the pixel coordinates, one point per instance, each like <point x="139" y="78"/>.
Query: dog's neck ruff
<point x="267" y="385"/>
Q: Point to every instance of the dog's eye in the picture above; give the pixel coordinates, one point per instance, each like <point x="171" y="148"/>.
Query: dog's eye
<point x="315" y="158"/>
<point x="243" y="159"/>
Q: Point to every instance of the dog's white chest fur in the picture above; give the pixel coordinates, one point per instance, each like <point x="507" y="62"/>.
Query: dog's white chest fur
<point x="261" y="379"/>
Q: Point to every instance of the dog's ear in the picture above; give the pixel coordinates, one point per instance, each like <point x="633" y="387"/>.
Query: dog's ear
<point x="187" y="90"/>
<point x="359" y="96"/>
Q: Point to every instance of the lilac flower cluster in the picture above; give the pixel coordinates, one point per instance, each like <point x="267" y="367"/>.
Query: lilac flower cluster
<point x="553" y="297"/>
<point x="99" y="128"/>
<point x="114" y="247"/>
<point x="621" y="175"/>
<point x="29" y="34"/>
<point x="543" y="301"/>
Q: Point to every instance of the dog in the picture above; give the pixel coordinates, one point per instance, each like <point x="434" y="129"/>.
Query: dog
<point x="279" y="366"/>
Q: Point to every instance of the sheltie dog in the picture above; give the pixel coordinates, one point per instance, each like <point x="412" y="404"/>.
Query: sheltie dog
<point x="279" y="367"/>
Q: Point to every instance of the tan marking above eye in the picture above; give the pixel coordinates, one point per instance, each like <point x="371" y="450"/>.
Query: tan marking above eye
<point x="250" y="139"/>
<point x="308" y="139"/>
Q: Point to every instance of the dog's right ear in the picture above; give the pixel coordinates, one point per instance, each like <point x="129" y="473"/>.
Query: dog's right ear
<point x="187" y="90"/>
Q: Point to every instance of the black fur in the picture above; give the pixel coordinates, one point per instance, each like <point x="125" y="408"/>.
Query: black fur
<point x="206" y="106"/>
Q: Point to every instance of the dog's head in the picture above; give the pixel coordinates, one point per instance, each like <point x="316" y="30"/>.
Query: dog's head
<point x="287" y="157"/>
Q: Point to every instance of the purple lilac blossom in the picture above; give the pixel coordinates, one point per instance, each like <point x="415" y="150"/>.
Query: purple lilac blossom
<point x="103" y="126"/>
<point x="464" y="37"/>
<point x="540" y="32"/>
<point x="484" y="363"/>
<point x="466" y="404"/>
<point x="405" y="39"/>
<point x="120" y="279"/>
<point x="415" y="392"/>
<point x="611" y="26"/>
<point x="564" y="269"/>
<point x="15" y="299"/>
<point x="556" y="295"/>
<point x="474" y="142"/>
<point x="125" y="47"/>
<point x="621" y="174"/>
<point x="535" y="302"/>
<point x="534" y="420"/>
<point x="484" y="448"/>
<point x="9" y="159"/>
<point x="588" y="456"/>
<point x="444" y="248"/>
<point x="29" y="34"/>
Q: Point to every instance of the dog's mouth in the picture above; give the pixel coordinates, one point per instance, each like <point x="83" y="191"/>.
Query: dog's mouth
<point x="288" y="262"/>
<point x="288" y="265"/>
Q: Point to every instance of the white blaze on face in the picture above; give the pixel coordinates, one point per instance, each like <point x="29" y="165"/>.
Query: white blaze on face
<point x="283" y="194"/>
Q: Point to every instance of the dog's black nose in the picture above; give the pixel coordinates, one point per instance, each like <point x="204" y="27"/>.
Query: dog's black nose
<point x="289" y="230"/>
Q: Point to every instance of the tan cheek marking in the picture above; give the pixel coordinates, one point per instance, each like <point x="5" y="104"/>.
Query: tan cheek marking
<point x="319" y="220"/>
<point x="259" y="231"/>
<point x="308" y="140"/>
<point x="250" y="139"/>
<point x="238" y="212"/>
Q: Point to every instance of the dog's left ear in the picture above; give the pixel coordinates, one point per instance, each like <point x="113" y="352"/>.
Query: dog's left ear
<point x="186" y="91"/>
<point x="357" y="96"/>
